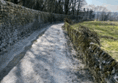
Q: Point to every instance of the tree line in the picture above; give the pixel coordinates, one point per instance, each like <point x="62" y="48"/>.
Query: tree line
<point x="103" y="14"/>
<point x="68" y="7"/>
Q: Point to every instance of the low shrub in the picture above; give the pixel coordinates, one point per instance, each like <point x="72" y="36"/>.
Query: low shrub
<point x="68" y="21"/>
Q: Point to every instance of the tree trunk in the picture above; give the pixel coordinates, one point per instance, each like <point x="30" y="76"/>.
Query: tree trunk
<point x="66" y="6"/>
<point x="23" y="2"/>
<point x="16" y="1"/>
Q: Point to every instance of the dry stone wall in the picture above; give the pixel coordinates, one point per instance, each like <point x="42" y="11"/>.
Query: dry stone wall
<point x="102" y="66"/>
<point x="17" y="22"/>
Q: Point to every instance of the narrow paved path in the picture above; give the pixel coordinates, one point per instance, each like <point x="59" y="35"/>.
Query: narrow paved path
<point x="49" y="60"/>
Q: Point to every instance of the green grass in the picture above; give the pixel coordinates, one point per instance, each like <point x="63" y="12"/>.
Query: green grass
<point x="107" y="32"/>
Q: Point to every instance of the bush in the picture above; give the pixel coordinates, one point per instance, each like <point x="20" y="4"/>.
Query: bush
<point x="68" y="21"/>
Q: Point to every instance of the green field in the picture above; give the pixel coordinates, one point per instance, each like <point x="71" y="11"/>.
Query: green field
<point x="107" y="32"/>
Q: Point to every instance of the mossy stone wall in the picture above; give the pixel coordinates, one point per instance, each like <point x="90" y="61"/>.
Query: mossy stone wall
<point x="18" y="22"/>
<point x="102" y="66"/>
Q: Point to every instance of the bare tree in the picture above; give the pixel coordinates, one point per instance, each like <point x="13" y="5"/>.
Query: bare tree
<point x="101" y="13"/>
<point x="80" y="3"/>
<point x="66" y="6"/>
<point x="54" y="6"/>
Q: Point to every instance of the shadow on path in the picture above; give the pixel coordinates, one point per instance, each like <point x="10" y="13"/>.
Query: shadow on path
<point x="18" y="57"/>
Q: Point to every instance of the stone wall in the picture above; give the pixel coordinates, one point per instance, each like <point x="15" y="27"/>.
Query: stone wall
<point x="17" y="22"/>
<point x="102" y="66"/>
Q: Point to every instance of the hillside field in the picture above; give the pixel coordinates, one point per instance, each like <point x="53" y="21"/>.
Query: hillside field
<point x="107" y="32"/>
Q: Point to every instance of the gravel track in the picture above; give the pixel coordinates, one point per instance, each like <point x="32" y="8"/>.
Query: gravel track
<point x="51" y="59"/>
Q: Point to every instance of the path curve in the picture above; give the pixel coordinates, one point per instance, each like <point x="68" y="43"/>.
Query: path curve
<point x="49" y="60"/>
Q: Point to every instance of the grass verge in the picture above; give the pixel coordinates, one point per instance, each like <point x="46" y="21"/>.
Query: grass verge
<point x="107" y="32"/>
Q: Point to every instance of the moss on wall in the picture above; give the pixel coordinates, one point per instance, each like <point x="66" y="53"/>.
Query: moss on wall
<point x="19" y="22"/>
<point x="102" y="66"/>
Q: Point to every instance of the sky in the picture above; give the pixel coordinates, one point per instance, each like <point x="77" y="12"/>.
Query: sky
<point x="111" y="5"/>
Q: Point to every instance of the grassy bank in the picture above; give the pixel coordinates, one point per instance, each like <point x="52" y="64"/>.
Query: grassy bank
<point x="107" y="32"/>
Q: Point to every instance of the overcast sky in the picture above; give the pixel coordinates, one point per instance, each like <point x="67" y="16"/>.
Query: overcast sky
<point x="111" y="5"/>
